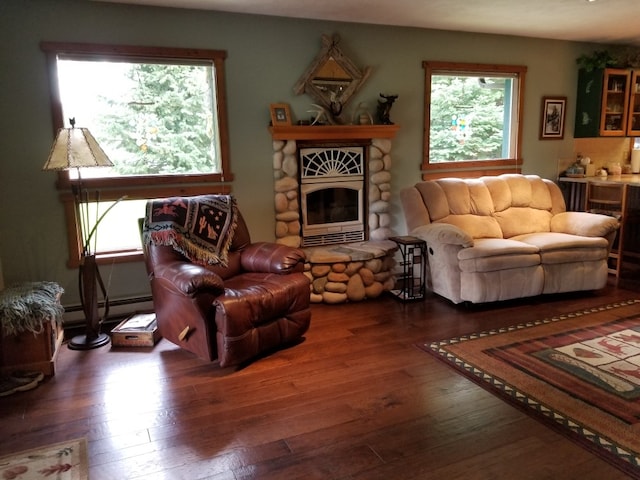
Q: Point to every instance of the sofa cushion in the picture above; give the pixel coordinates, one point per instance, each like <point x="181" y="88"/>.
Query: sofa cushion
<point x="499" y="262"/>
<point x="522" y="203"/>
<point x="560" y="241"/>
<point x="454" y="196"/>
<point x="578" y="255"/>
<point x="558" y="248"/>
<point x="584" y="223"/>
<point x="467" y="196"/>
<point x="518" y="191"/>
<point x="519" y="220"/>
<point x="491" y="254"/>
<point x="443" y="233"/>
<point x="434" y="199"/>
<point x="491" y="247"/>
<point x="476" y="226"/>
<point x="500" y="192"/>
<point x="540" y="194"/>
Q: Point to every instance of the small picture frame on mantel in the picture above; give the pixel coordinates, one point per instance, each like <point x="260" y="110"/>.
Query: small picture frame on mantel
<point x="280" y="114"/>
<point x="552" y="118"/>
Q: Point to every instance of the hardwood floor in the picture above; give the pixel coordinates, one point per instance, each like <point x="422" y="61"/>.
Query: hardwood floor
<point x="355" y="400"/>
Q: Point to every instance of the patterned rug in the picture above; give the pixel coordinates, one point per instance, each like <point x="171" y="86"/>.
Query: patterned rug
<point x="62" y="461"/>
<point x="579" y="373"/>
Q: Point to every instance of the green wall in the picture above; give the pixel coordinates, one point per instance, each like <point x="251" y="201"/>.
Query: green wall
<point x="266" y="56"/>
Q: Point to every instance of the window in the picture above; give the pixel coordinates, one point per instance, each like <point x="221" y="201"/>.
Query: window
<point x="160" y="116"/>
<point x="473" y="114"/>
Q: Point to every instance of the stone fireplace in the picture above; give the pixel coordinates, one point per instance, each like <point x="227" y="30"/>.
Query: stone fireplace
<point x="332" y="193"/>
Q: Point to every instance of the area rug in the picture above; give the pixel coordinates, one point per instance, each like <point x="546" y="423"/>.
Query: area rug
<point x="578" y="373"/>
<point x="62" y="461"/>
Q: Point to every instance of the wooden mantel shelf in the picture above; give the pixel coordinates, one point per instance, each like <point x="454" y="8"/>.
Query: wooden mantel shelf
<point x="333" y="132"/>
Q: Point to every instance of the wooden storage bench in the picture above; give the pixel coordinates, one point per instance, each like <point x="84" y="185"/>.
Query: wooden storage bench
<point x="30" y="342"/>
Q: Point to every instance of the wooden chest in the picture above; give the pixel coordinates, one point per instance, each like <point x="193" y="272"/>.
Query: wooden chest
<point x="29" y="351"/>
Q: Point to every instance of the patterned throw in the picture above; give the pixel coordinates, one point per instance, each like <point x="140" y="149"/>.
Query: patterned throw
<point x="201" y="227"/>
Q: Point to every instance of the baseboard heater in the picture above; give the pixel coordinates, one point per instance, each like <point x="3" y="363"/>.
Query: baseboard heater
<point x="118" y="309"/>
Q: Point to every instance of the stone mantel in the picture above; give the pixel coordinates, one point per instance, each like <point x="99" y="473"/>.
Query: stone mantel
<point x="333" y="132"/>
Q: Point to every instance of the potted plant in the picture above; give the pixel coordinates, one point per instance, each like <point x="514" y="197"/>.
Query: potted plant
<point x="599" y="59"/>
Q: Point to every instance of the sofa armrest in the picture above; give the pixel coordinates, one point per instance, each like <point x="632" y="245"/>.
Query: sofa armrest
<point x="585" y="224"/>
<point x="267" y="257"/>
<point x="188" y="278"/>
<point x="443" y="233"/>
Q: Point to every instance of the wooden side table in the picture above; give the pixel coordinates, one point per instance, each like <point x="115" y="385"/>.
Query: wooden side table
<point x="414" y="260"/>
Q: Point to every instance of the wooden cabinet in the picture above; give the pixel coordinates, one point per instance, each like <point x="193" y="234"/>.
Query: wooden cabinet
<point x="603" y="103"/>
<point x="633" y="121"/>
<point x="615" y="103"/>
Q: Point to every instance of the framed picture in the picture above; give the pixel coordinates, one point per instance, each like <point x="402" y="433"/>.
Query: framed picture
<point x="552" y="118"/>
<point x="280" y="114"/>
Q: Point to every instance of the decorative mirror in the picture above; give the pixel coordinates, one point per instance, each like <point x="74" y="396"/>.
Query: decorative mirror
<point x="331" y="79"/>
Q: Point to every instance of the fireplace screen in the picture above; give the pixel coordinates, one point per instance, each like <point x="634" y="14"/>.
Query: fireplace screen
<point x="332" y="195"/>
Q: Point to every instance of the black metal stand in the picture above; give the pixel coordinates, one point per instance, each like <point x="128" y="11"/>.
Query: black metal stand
<point x="412" y="282"/>
<point x="83" y="342"/>
<point x="89" y="280"/>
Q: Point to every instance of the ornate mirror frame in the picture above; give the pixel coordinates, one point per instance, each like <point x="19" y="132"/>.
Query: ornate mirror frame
<point x="332" y="78"/>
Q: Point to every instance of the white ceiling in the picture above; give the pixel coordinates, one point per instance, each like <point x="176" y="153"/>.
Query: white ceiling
<point x="600" y="21"/>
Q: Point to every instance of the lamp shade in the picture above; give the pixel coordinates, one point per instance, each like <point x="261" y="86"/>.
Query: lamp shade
<point x="76" y="148"/>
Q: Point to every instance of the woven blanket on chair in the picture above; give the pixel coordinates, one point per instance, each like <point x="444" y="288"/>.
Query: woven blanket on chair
<point x="201" y="227"/>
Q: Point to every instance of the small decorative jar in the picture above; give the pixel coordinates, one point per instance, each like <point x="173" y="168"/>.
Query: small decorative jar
<point x="615" y="169"/>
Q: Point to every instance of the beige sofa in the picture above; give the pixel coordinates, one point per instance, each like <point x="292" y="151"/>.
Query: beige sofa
<point x="503" y="237"/>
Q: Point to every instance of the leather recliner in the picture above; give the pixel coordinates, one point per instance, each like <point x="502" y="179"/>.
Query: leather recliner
<point x="257" y="303"/>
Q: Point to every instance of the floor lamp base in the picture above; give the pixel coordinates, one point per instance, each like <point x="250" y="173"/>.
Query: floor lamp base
<point x="82" y="343"/>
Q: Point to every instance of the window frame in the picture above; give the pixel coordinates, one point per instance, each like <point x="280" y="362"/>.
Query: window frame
<point x="139" y="186"/>
<point x="472" y="167"/>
